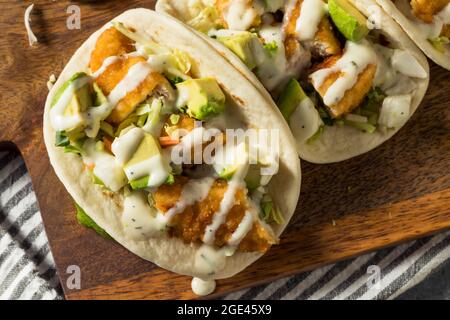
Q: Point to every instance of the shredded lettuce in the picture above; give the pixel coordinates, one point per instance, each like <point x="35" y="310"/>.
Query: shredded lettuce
<point x="316" y="135"/>
<point x="87" y="221"/>
<point x="271" y="47"/>
<point x="270" y="213"/>
<point x="206" y="20"/>
<point x="61" y="139"/>
<point x="439" y="43"/>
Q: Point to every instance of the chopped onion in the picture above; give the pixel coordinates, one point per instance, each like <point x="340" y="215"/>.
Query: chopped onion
<point x="406" y="63"/>
<point x="31" y="37"/>
<point x="395" y="111"/>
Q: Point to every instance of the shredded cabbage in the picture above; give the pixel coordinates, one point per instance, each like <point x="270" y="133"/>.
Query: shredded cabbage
<point x="439" y="43"/>
<point x="206" y="20"/>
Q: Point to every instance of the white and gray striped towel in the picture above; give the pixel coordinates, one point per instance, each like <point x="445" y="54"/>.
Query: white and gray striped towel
<point x="27" y="268"/>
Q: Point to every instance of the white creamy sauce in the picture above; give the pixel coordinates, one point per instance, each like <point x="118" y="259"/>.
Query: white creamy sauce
<point x="210" y="260"/>
<point x="156" y="168"/>
<point x="430" y="30"/>
<point x="243" y="229"/>
<point x="272" y="69"/>
<point x="195" y="190"/>
<point x="311" y="14"/>
<point x="125" y="146"/>
<point x="106" y="168"/>
<point x="305" y="120"/>
<point x="61" y="121"/>
<point x="106" y="63"/>
<point x="355" y="60"/>
<point x="240" y="14"/>
<point x="139" y="219"/>
<point x="228" y="200"/>
<point x="203" y="287"/>
<point x="135" y="76"/>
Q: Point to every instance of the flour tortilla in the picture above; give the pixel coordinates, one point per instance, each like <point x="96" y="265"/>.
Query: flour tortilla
<point x="335" y="144"/>
<point x="441" y="58"/>
<point x="106" y="209"/>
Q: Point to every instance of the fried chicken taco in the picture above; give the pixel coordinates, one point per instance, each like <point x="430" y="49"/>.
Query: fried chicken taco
<point x="427" y="22"/>
<point x="343" y="73"/>
<point x="169" y="150"/>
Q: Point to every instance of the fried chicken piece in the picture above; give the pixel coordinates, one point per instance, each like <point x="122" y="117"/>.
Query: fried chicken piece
<point x="190" y="225"/>
<point x="353" y="97"/>
<point x="426" y="9"/>
<point x="185" y="123"/>
<point x="117" y="71"/>
<point x="222" y="7"/>
<point x="445" y="31"/>
<point x="110" y="43"/>
<point x="324" y="43"/>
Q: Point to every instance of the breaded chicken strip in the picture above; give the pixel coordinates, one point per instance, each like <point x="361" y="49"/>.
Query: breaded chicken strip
<point x="222" y="7"/>
<point x="115" y="72"/>
<point x="325" y="42"/>
<point x="426" y="9"/>
<point x="353" y="97"/>
<point x="110" y="43"/>
<point x="190" y="225"/>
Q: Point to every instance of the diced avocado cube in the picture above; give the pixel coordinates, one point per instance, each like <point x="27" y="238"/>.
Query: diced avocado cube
<point x="202" y="97"/>
<point x="141" y="183"/>
<point x="99" y="95"/>
<point x="147" y="150"/>
<point x="290" y="98"/>
<point x="350" y="22"/>
<point x="242" y="45"/>
<point x="227" y="173"/>
<point x="81" y="100"/>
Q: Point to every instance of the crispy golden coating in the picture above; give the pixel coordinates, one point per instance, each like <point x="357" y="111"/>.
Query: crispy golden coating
<point x="445" y="31"/>
<point x="291" y="43"/>
<point x="353" y="97"/>
<point x="426" y="9"/>
<point x="222" y="6"/>
<point x="185" y="123"/>
<point x="115" y="72"/>
<point x="110" y="43"/>
<point x="325" y="42"/>
<point x="190" y="225"/>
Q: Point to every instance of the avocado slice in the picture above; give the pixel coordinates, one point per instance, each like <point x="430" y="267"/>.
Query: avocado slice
<point x="202" y="97"/>
<point x="81" y="100"/>
<point x="99" y="95"/>
<point x="242" y="45"/>
<point x="350" y="22"/>
<point x="147" y="149"/>
<point x="290" y="98"/>
<point x="141" y="183"/>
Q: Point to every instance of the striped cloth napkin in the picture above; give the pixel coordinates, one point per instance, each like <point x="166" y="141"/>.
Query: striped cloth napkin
<point x="27" y="269"/>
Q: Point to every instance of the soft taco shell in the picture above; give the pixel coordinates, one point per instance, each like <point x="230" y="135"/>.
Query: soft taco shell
<point x="106" y="209"/>
<point x="335" y="144"/>
<point x="441" y="58"/>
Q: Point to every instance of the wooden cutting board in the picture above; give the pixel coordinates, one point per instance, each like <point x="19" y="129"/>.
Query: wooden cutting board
<point x="398" y="192"/>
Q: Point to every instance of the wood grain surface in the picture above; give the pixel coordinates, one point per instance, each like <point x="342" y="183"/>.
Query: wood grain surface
<point x="398" y="192"/>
